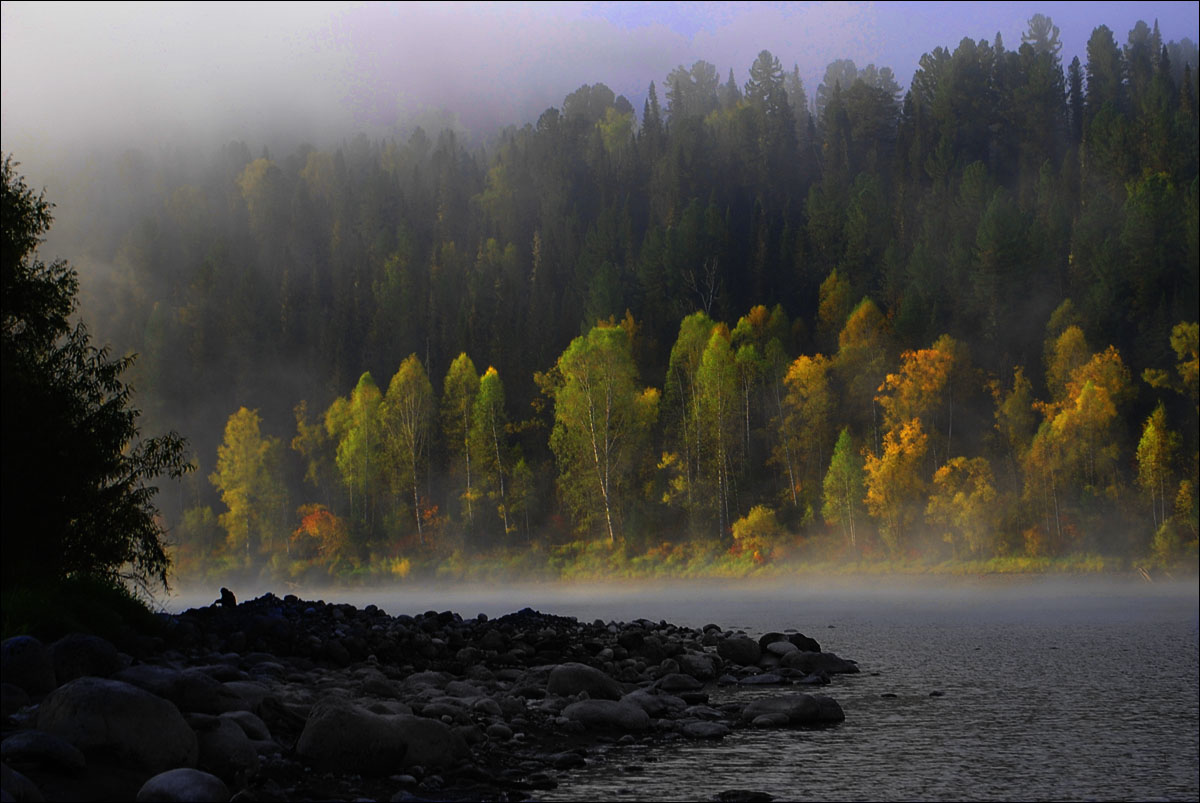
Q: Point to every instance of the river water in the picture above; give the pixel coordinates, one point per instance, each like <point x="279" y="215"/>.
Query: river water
<point x="1051" y="689"/>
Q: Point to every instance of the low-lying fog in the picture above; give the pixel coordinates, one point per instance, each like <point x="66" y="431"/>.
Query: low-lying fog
<point x="801" y="603"/>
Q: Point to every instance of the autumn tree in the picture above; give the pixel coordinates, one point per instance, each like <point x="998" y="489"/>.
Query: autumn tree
<point x="601" y="421"/>
<point x="1155" y="453"/>
<point x="407" y="416"/>
<point x="489" y="443"/>
<point x="248" y="477"/>
<point x="459" y="390"/>
<point x="718" y="426"/>
<point x="843" y="488"/>
<point x="894" y="482"/>
<point x="810" y="418"/>
<point x="354" y="424"/>
<point x="962" y="503"/>
<point x="863" y="346"/>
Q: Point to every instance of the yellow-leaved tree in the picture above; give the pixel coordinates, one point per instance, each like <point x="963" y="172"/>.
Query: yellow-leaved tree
<point x="894" y="482"/>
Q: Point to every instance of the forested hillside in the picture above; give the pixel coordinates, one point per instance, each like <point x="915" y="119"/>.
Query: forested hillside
<point x="751" y="321"/>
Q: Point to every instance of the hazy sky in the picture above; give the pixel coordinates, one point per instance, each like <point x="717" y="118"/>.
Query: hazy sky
<point x="77" y="75"/>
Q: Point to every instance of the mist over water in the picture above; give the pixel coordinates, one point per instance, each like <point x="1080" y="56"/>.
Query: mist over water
<point x="1053" y="688"/>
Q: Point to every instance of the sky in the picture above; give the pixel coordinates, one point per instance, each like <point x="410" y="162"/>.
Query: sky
<point x="82" y="76"/>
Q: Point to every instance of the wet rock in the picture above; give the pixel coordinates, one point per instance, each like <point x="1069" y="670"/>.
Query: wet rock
<point x="781" y="648"/>
<point x="572" y="678"/>
<point x="804" y="642"/>
<point x="26" y="662"/>
<point x="183" y="786"/>
<point x="43" y="751"/>
<point x="79" y="654"/>
<point x="608" y="715"/>
<point x="743" y="796"/>
<point x="740" y="650"/>
<point x="819" y="662"/>
<point x="117" y="720"/>
<point x="799" y="709"/>
<point x="705" y="730"/>
<point x="764" y="679"/>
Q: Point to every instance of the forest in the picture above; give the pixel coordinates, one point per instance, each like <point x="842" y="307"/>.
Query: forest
<point x="746" y="327"/>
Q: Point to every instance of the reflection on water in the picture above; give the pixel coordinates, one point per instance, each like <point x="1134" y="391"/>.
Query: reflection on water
<point x="1081" y="689"/>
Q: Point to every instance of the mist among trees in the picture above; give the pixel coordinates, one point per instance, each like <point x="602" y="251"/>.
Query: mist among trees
<point x="752" y="322"/>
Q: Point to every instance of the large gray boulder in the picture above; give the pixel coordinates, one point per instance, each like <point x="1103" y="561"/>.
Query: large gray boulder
<point x="570" y="679"/>
<point x="26" y="662"/>
<point x="608" y="715"/>
<point x="119" y="721"/>
<point x="700" y="665"/>
<point x="183" y="786"/>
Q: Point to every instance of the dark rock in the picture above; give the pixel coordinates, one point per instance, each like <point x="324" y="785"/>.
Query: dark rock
<point x="705" y="730"/>
<point x="44" y="751"/>
<point x="819" y="662"/>
<point x="117" y="720"/>
<point x="227" y="753"/>
<point x="79" y="654"/>
<point x="608" y="715"/>
<point x="804" y="642"/>
<point x="740" y="650"/>
<point x="800" y="709"/>
<point x="743" y="796"/>
<point x="183" y="786"/>
<point x="26" y="662"/>
<point x="768" y="639"/>
<point x="17" y="787"/>
<point x="765" y="679"/>
<point x="342" y="737"/>
<point x="677" y="681"/>
<point x="12" y="699"/>
<point x="572" y="678"/>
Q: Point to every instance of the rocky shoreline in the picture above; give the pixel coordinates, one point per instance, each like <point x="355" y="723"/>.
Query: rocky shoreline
<point x="287" y="699"/>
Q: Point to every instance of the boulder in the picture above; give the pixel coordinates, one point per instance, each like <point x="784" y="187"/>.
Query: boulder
<point x="705" y="730"/>
<point x="119" y="721"/>
<point x="570" y="679"/>
<point x="158" y="680"/>
<point x="800" y="710"/>
<point x="815" y="663"/>
<point x="251" y="724"/>
<point x="804" y="642"/>
<point x="608" y="715"/>
<point x="12" y="699"/>
<point x="44" y="751"/>
<point x="17" y="787"/>
<point x="700" y="665"/>
<point x="342" y="737"/>
<point x="183" y="785"/>
<point x="781" y="648"/>
<point x="677" y="681"/>
<point x="740" y="650"/>
<point x="26" y="662"/>
<point x="431" y="743"/>
<point x="227" y="752"/>
<point x="79" y="654"/>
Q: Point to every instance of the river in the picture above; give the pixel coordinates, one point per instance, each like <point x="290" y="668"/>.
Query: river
<point x="1050" y="688"/>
